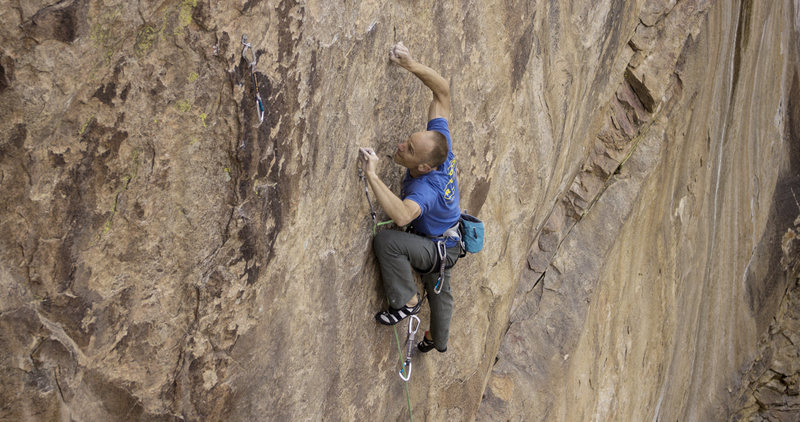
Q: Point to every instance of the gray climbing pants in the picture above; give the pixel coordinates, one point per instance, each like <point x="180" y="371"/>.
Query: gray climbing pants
<point x="399" y="253"/>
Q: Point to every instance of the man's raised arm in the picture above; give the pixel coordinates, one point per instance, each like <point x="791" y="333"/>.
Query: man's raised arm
<point x="440" y="106"/>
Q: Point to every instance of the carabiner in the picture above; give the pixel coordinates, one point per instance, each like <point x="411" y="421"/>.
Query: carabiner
<point x="406" y="364"/>
<point x="412" y="328"/>
<point x="252" y="65"/>
<point x="441" y="250"/>
<point x="244" y="51"/>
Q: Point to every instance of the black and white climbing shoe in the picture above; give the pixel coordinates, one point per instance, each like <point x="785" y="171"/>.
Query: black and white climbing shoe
<point x="393" y="316"/>
<point x="426" y="345"/>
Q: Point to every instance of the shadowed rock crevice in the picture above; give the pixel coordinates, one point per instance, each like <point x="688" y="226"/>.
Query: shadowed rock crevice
<point x="771" y="387"/>
<point x="63" y="21"/>
<point x="4" y="82"/>
<point x="522" y="53"/>
<point x="765" y="279"/>
<point x="742" y="39"/>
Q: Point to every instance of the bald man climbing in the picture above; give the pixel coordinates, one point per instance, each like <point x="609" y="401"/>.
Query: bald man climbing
<point x="429" y="206"/>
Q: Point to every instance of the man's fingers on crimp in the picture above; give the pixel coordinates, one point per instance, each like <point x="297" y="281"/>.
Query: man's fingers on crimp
<point x="399" y="48"/>
<point x="366" y="153"/>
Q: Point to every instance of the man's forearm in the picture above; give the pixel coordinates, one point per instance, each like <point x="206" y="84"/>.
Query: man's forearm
<point x="391" y="203"/>
<point x="430" y="78"/>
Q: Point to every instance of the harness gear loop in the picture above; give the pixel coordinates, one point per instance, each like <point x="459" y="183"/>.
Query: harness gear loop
<point x="252" y="65"/>
<point x="413" y="326"/>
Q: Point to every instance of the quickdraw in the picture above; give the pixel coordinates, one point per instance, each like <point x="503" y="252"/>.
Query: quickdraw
<point x="252" y="65"/>
<point x="372" y="212"/>
<point x="413" y="326"/>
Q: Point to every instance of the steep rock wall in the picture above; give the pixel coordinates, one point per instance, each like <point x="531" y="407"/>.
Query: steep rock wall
<point x="165" y="257"/>
<point x="773" y="382"/>
<point x="653" y="303"/>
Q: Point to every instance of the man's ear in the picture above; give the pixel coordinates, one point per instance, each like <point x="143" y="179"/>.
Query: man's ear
<point x="424" y="168"/>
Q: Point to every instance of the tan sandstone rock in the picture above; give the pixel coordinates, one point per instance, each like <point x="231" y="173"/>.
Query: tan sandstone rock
<point x="165" y="256"/>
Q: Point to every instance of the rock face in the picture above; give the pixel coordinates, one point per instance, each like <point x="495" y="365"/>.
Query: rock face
<point x="654" y="301"/>
<point x="773" y="390"/>
<point x="166" y="256"/>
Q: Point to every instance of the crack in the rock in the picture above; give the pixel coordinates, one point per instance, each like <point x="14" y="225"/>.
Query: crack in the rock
<point x="188" y="336"/>
<point x="58" y="384"/>
<point x="642" y="132"/>
<point x="57" y="333"/>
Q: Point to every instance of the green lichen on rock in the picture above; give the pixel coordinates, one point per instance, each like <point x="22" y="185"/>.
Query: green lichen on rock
<point x="183" y="106"/>
<point x="126" y="181"/>
<point x="144" y="40"/>
<point x="105" y="33"/>
<point x="185" y="15"/>
<point x="85" y="125"/>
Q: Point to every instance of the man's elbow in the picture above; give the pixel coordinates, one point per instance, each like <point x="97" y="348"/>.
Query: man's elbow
<point x="442" y="93"/>
<point x="410" y="211"/>
<point x="403" y="220"/>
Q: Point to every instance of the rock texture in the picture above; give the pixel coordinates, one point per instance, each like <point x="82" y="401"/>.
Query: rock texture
<point x="165" y="256"/>
<point x="655" y="284"/>
<point x="773" y="390"/>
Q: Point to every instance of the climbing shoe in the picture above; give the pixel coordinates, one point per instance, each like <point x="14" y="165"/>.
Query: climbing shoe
<point x="426" y="345"/>
<point x="393" y="316"/>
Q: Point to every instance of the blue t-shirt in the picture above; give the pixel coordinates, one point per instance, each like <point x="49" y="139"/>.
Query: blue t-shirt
<point x="435" y="192"/>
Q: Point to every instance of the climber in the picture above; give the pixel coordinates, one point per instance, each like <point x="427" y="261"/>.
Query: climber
<point x="429" y="204"/>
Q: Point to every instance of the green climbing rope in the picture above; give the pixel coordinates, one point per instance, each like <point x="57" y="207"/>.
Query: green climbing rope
<point x="400" y="354"/>
<point x="375" y="226"/>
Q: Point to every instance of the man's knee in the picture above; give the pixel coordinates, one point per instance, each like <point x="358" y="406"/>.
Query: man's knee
<point x="382" y="241"/>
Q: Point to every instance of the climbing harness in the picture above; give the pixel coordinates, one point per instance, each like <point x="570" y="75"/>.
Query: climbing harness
<point x="413" y="326"/>
<point x="252" y="65"/>
<point x="372" y="212"/>
<point x="468" y="233"/>
<point x="441" y="252"/>
<point x="441" y="242"/>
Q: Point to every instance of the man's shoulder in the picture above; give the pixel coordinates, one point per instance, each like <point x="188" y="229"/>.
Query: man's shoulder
<point x="438" y="123"/>
<point x="424" y="185"/>
<point x="441" y="125"/>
